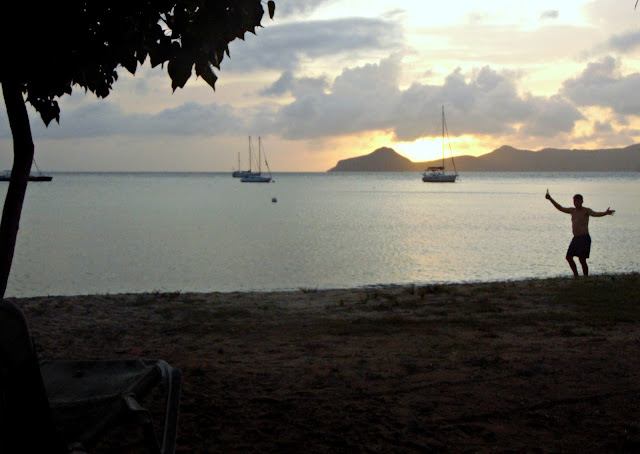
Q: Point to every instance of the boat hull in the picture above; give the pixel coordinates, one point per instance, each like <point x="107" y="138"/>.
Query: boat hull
<point x="256" y="179"/>
<point x="439" y="178"/>
<point x="31" y="178"/>
<point x="241" y="173"/>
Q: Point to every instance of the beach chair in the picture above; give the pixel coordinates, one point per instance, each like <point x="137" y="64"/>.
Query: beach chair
<point x="68" y="406"/>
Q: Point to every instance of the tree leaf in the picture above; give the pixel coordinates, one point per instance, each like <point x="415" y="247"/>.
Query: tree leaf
<point x="205" y="71"/>
<point x="48" y="109"/>
<point x="159" y="53"/>
<point x="179" y="70"/>
<point x="272" y="8"/>
<point x="130" y="63"/>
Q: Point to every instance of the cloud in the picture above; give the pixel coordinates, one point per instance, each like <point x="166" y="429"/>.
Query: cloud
<point x="282" y="47"/>
<point x="601" y="84"/>
<point x="602" y="128"/>
<point x="358" y="101"/>
<point x="549" y="14"/>
<point x="287" y="83"/>
<point x="102" y="118"/>
<point x="625" y="42"/>
<point x="549" y="117"/>
<point x="368" y="98"/>
<point x="361" y="99"/>
<point x="482" y="102"/>
<point x="620" y="43"/>
<point x="485" y="102"/>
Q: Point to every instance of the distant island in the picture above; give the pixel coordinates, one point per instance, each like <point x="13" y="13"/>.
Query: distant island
<point x="505" y="159"/>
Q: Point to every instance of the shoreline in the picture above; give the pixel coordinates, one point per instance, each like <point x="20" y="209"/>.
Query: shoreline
<point x="311" y="289"/>
<point x="535" y="365"/>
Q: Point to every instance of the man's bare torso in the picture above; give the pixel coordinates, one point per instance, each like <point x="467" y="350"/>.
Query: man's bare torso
<point x="580" y="220"/>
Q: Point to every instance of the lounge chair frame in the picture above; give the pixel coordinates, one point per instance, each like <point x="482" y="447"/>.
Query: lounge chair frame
<point x="68" y="406"/>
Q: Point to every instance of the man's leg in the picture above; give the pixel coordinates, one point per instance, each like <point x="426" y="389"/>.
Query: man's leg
<point x="585" y="267"/>
<point x="573" y="266"/>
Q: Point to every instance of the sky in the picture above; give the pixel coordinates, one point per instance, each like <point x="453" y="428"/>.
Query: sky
<point x="333" y="79"/>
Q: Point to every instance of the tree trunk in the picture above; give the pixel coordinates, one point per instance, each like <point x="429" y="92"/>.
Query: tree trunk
<point x="22" y="158"/>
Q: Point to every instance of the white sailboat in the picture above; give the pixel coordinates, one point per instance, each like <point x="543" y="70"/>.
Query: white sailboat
<point x="243" y="173"/>
<point x="258" y="177"/>
<point x="437" y="174"/>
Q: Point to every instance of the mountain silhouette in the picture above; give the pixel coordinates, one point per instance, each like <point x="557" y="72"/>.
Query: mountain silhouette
<point x="504" y="159"/>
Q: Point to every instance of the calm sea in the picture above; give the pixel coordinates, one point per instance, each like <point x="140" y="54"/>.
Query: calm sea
<point x="112" y="233"/>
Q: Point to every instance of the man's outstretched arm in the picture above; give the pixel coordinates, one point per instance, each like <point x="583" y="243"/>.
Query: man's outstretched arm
<point x="557" y="205"/>
<point x="599" y="214"/>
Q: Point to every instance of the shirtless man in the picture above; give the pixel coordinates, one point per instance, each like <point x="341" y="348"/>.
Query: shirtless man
<point x="581" y="243"/>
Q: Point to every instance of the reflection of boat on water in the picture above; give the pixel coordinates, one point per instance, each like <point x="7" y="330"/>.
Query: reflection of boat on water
<point x="258" y="177"/>
<point x="244" y="173"/>
<point x="437" y="174"/>
<point x="33" y="176"/>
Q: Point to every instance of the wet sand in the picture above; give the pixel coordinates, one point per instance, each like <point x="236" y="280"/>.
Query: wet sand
<point x="536" y="366"/>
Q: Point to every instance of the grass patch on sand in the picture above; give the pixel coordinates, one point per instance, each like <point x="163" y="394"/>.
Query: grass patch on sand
<point x="148" y="298"/>
<point x="604" y="298"/>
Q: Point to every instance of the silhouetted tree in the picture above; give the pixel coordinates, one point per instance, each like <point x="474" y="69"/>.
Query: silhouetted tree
<point x="50" y="47"/>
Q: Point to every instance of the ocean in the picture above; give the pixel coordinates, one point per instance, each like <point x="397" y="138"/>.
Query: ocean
<point x="105" y="233"/>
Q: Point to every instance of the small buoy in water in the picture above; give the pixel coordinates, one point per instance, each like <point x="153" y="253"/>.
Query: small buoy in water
<point x="274" y="200"/>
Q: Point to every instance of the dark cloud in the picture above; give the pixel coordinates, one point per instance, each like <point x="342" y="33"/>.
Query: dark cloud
<point x="625" y="42"/>
<point x="101" y="118"/>
<point x="549" y="14"/>
<point x="288" y="84"/>
<point x="602" y="128"/>
<point x="549" y="117"/>
<point x="601" y="84"/>
<point x="282" y="47"/>
<point x="620" y="43"/>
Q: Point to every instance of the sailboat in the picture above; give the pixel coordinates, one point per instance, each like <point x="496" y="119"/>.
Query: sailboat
<point x="258" y="177"/>
<point x="38" y="176"/>
<point x="243" y="173"/>
<point x="437" y="174"/>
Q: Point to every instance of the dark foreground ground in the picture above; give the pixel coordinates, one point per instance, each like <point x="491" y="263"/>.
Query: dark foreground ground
<point x="537" y="366"/>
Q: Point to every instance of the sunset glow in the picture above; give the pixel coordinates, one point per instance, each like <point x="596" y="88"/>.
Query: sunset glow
<point x="430" y="149"/>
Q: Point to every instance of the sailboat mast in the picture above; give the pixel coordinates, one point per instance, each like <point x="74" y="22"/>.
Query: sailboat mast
<point x="249" y="154"/>
<point x="259" y="155"/>
<point x="442" y="136"/>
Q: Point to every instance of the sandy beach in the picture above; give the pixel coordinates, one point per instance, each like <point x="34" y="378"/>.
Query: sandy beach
<point x="538" y="366"/>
